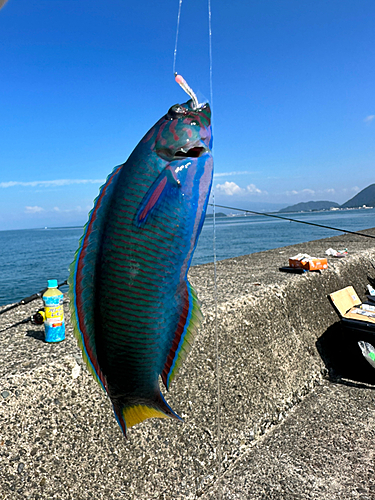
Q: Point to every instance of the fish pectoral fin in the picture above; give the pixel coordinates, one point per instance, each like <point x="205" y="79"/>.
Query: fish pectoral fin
<point x="163" y="185"/>
<point x="132" y="414"/>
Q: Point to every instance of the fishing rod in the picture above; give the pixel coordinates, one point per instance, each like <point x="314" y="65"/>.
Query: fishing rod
<point x="36" y="318"/>
<point x="294" y="220"/>
<point x="30" y="298"/>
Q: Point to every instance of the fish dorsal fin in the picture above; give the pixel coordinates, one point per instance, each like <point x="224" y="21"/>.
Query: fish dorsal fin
<point x="160" y="188"/>
<point x="82" y="278"/>
<point x="190" y="319"/>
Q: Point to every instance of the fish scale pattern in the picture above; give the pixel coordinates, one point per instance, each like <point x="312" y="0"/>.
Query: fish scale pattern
<point x="141" y="293"/>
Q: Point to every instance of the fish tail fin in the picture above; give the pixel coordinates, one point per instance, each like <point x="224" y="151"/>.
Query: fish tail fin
<point x="132" y="414"/>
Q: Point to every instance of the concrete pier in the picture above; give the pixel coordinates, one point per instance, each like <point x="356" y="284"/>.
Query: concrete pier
<point x="297" y="401"/>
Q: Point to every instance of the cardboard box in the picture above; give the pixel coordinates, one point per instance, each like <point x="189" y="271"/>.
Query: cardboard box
<point x="311" y="264"/>
<point x="351" y="310"/>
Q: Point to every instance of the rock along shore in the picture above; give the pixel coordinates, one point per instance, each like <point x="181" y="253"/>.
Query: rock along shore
<point x="297" y="413"/>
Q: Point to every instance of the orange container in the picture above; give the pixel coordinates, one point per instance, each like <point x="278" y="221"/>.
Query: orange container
<point x="309" y="265"/>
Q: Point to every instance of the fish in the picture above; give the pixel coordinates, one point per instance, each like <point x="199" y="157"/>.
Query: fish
<point x="134" y="312"/>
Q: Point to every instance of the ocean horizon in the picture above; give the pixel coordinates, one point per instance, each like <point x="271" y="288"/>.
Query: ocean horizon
<point x="30" y="257"/>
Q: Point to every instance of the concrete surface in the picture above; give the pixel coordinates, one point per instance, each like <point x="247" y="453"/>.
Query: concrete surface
<point x="297" y="400"/>
<point x="323" y="450"/>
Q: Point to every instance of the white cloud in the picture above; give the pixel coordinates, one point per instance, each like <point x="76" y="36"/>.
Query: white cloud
<point x="57" y="182"/>
<point x="229" y="188"/>
<point x="353" y="189"/>
<point x="33" y="210"/>
<point x="229" y="174"/>
<point x="252" y="189"/>
<point x="369" y="118"/>
<point x="310" y="192"/>
<point x="77" y="209"/>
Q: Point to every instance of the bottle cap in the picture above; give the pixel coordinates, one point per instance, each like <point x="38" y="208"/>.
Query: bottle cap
<point x="52" y="283"/>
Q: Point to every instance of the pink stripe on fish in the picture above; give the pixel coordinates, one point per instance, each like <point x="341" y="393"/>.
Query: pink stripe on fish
<point x="153" y="199"/>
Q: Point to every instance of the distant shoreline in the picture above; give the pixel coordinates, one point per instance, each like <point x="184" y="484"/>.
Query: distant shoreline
<point x="245" y="213"/>
<point x="252" y="212"/>
<point x="334" y="209"/>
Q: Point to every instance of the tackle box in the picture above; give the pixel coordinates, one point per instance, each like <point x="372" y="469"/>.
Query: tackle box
<point x="353" y="313"/>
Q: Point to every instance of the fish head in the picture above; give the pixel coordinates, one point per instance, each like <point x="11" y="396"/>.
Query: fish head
<point x="184" y="132"/>
<point x="176" y="154"/>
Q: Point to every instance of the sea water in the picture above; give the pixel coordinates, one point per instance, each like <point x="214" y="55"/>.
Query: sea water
<point x="28" y="260"/>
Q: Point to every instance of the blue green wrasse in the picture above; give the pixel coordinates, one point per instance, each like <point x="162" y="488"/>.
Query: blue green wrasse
<point x="134" y="312"/>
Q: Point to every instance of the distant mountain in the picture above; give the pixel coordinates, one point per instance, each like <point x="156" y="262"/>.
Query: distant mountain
<point x="243" y="206"/>
<point x="309" y="206"/>
<point x="364" y="197"/>
<point x="218" y="214"/>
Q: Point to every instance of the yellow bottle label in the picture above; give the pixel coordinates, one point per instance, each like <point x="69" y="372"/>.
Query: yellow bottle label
<point x="54" y="315"/>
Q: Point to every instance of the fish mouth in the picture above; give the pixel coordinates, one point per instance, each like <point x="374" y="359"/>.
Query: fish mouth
<point x="193" y="152"/>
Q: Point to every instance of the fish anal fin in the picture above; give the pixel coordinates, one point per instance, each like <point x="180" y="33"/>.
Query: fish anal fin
<point x="161" y="187"/>
<point x="190" y="320"/>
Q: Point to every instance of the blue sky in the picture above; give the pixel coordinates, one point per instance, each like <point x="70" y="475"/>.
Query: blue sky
<point x="82" y="81"/>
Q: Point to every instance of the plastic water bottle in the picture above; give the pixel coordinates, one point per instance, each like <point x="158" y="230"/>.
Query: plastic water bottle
<point x="54" y="323"/>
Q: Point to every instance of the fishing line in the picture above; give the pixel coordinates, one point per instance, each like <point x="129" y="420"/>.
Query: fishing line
<point x="177" y="32"/>
<point x="183" y="84"/>
<point x="217" y="350"/>
<point x="295" y="220"/>
<point x="210" y="54"/>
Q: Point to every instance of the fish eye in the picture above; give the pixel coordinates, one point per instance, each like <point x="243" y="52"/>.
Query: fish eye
<point x="175" y="111"/>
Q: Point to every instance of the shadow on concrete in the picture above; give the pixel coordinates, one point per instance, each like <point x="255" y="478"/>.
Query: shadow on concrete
<point x="339" y="350"/>
<point x="36" y="334"/>
<point x="371" y="280"/>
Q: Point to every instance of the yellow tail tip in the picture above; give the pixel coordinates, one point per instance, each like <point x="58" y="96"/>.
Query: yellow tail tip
<point x="135" y="414"/>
